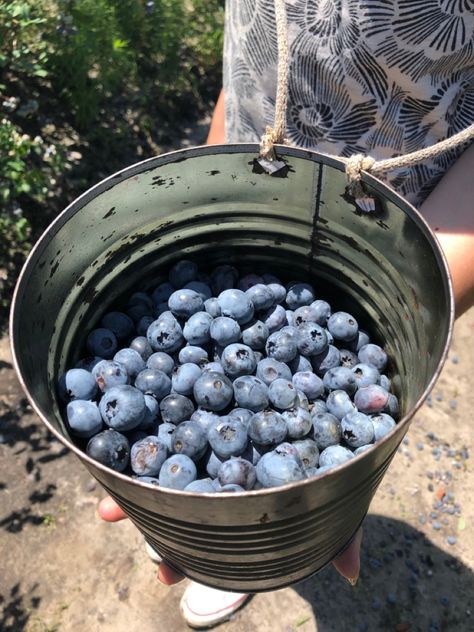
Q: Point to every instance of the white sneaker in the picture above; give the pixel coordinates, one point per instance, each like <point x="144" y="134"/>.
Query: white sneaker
<point x="203" y="607"/>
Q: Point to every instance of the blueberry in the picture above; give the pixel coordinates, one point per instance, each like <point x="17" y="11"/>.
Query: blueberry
<point x="237" y="305"/>
<point x="144" y="323"/>
<point x="340" y="378"/>
<point x="308" y="452"/>
<point x="321" y="311"/>
<point x="161" y="361"/>
<point x="348" y="358"/>
<point x="185" y="303"/>
<point x="365" y="374"/>
<point x="121" y="324"/>
<point x="153" y="382"/>
<point x="102" y="342"/>
<point x="300" y="364"/>
<point x="278" y="290"/>
<point x="281" y="346"/>
<point x="242" y="414"/>
<point x="275" y="469"/>
<point x="212" y="307"/>
<point x="84" y="418"/>
<point x="77" y="384"/>
<point x="290" y="318"/>
<point x="142" y="346"/>
<point x="166" y="433"/>
<point x="110" y="448"/>
<point x="165" y="333"/>
<point x="227" y="437"/>
<point x="319" y="406"/>
<point x="131" y="360"/>
<point x="152" y="412"/>
<point x="384" y="381"/>
<point x="237" y="471"/>
<point x="123" y="407"/>
<point x="204" y="418"/>
<point x="151" y="480"/>
<point x="363" y="448"/>
<point x="282" y="394"/>
<point x="201" y="486"/>
<point x="195" y="355"/>
<point x="261" y="296"/>
<point x="334" y="455"/>
<point x="326" y="360"/>
<point x="359" y="341"/>
<point x="343" y="326"/>
<point x="200" y="288"/>
<point x="212" y="463"/>
<point x="326" y="430"/>
<point x="213" y="366"/>
<point x="224" y="330"/>
<point x="147" y="456"/>
<point x="248" y="281"/>
<point x="139" y="304"/>
<point x="357" y="429"/>
<point x="267" y="428"/>
<point x="305" y="314"/>
<point x="339" y="403"/>
<point x="250" y="393"/>
<point x="308" y="382"/>
<point x="223" y="278"/>
<point x="176" y="408"/>
<point x="213" y="391"/>
<point x="382" y="424"/>
<point x="270" y="369"/>
<point x="238" y="359"/>
<point x="392" y="406"/>
<point x="299" y="294"/>
<point x="298" y="422"/>
<point x="374" y="355"/>
<point x="255" y="334"/>
<point x="182" y="272"/>
<point x="184" y="377"/>
<point x="88" y="363"/>
<point x="177" y="472"/>
<point x="162" y="293"/>
<point x="190" y="438"/>
<point x="230" y="488"/>
<point x="274" y="318"/>
<point x="371" y="399"/>
<point x="197" y="328"/>
<point x="108" y="373"/>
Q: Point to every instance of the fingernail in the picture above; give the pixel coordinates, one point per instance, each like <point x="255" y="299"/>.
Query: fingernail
<point x="352" y="580"/>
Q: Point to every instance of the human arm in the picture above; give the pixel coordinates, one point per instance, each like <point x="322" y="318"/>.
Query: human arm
<point x="216" y="134"/>
<point x="449" y="210"/>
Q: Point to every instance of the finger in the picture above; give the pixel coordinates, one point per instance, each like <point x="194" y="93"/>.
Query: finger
<point x="168" y="575"/>
<point x="110" y="511"/>
<point x="348" y="563"/>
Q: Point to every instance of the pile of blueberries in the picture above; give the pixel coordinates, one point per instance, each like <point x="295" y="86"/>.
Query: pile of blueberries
<point x="221" y="382"/>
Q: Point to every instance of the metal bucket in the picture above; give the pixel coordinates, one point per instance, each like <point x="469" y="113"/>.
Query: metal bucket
<point x="208" y="204"/>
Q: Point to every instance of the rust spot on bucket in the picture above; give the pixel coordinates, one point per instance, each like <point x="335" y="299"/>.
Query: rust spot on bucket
<point x="264" y="519"/>
<point x="109" y="213"/>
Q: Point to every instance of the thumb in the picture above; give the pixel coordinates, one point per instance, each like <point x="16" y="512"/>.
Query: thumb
<point x="109" y="510"/>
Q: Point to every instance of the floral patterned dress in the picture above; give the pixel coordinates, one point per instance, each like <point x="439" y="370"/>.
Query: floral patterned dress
<point x="378" y="77"/>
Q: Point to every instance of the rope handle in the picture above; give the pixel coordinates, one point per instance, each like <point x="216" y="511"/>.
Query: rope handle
<point x="354" y="164"/>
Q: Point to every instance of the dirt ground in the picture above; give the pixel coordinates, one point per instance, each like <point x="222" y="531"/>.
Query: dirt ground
<point x="62" y="569"/>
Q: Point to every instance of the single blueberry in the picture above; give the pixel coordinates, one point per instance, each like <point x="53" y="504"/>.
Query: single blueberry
<point x="152" y="412"/>
<point x="270" y="369"/>
<point x="340" y="378"/>
<point x="281" y="346"/>
<point x="102" y="342"/>
<point x="319" y="406"/>
<point x="212" y="307"/>
<point x="227" y="437"/>
<point x="371" y="399"/>
<point x="298" y="422"/>
<point x="237" y="471"/>
<point x="365" y="374"/>
<point x="326" y="360"/>
<point x="153" y="382"/>
<point x="343" y="326"/>
<point x="177" y="472"/>
<point x="142" y="346"/>
<point x="84" y="418"/>
<point x="144" y="323"/>
<point x="299" y="294"/>
<point x="196" y="355"/>
<point x="182" y="272"/>
<point x="165" y="333"/>
<point x="147" y="456"/>
<point x="197" y="328"/>
<point x="161" y="361"/>
<point x="190" y="438"/>
<point x="242" y="414"/>
<point x="267" y="428"/>
<point x="339" y="403"/>
<point x="237" y="305"/>
<point x="334" y="455"/>
<point x="321" y="311"/>
<point x="184" y="377"/>
<point x="110" y="448"/>
<point x="357" y="429"/>
<point x="308" y="382"/>
<point x="131" y="360"/>
<point x="326" y="430"/>
<point x="108" y="373"/>
<point x="261" y="296"/>
<point x="223" y="278"/>
<point x="275" y="469"/>
<point x="373" y="354"/>
<point x="201" y="486"/>
<point x="176" y="408"/>
<point x="165" y="434"/>
<point x="224" y="330"/>
<point x="238" y="359"/>
<point x="308" y="452"/>
<point x="121" y="324"/>
<point x="250" y="393"/>
<point x="200" y="288"/>
<point x="162" y="293"/>
<point x="382" y="424"/>
<point x="204" y="418"/>
<point x="185" y="303"/>
<point x="213" y="391"/>
<point x="255" y="334"/>
<point x="348" y="358"/>
<point x="248" y="281"/>
<point x="123" y="407"/>
<point x="282" y="394"/>
<point x="274" y="318"/>
<point x="77" y="384"/>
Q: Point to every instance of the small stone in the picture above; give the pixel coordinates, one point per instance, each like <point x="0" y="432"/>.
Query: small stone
<point x="455" y="359"/>
<point x="420" y="446"/>
<point x="451" y="539"/>
<point x="444" y="601"/>
<point x="91" y="485"/>
<point x="391" y="598"/>
<point x="376" y="605"/>
<point x="436" y="526"/>
<point x="453" y="404"/>
<point x="422" y="519"/>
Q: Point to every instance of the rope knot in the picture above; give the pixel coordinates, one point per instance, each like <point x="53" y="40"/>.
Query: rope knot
<point x="357" y="163"/>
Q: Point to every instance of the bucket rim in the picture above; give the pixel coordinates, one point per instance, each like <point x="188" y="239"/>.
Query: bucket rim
<point x="180" y="155"/>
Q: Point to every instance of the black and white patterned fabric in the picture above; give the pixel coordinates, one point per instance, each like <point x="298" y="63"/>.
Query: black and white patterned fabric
<point x="378" y="77"/>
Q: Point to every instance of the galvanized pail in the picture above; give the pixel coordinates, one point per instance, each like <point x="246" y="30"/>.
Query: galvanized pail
<point x="208" y="204"/>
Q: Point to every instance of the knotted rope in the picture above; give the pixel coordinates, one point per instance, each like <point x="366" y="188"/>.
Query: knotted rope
<point x="354" y="164"/>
